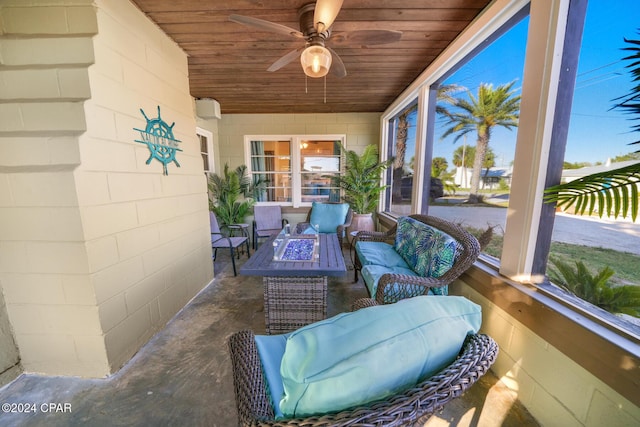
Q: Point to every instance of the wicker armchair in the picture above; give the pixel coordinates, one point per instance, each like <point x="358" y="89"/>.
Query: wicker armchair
<point x="415" y="405"/>
<point x="393" y="287"/>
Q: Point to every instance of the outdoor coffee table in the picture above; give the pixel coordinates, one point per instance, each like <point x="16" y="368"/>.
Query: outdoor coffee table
<point x="295" y="291"/>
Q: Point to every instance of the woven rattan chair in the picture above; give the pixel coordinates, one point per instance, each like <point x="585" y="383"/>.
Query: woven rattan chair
<point x="267" y="222"/>
<point x="414" y="406"/>
<point x="394" y="287"/>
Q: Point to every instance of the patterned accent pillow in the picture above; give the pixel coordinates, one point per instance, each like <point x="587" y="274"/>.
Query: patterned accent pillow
<point x="428" y="251"/>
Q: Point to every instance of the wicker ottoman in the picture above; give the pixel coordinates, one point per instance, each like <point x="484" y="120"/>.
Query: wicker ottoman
<point x="293" y="302"/>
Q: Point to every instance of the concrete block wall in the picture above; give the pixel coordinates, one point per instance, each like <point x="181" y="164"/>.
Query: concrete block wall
<point x="99" y="249"/>
<point x="154" y="253"/>
<point x="555" y="389"/>
<point x="45" y="50"/>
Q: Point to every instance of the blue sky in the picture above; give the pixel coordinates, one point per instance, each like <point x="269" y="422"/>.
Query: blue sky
<point x="596" y="132"/>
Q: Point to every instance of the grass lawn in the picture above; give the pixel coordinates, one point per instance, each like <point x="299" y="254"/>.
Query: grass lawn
<point x="625" y="265"/>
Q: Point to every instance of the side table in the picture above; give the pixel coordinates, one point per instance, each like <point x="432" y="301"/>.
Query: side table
<point x="243" y="228"/>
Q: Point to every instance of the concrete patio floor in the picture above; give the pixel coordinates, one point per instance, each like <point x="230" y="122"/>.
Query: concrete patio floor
<point x="182" y="376"/>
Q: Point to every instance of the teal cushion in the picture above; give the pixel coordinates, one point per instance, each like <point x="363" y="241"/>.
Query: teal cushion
<point x="427" y="250"/>
<point x="371" y="275"/>
<point x="379" y="253"/>
<point x="270" y="349"/>
<point x="355" y="358"/>
<point x="328" y="215"/>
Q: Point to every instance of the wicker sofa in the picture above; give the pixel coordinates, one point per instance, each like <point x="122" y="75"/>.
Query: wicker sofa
<point x="413" y="405"/>
<point x="393" y="263"/>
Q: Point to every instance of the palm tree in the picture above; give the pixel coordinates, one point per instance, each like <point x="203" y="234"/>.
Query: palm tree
<point x="491" y="108"/>
<point x="445" y="95"/>
<point x="361" y="179"/>
<point x="596" y="288"/>
<point x="226" y="190"/>
<point x="614" y="191"/>
<point x="470" y="154"/>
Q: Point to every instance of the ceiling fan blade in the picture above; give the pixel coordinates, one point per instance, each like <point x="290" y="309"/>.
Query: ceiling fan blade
<point x="337" y="66"/>
<point x="265" y="25"/>
<point x="289" y="57"/>
<point x="365" y="37"/>
<point x="325" y="13"/>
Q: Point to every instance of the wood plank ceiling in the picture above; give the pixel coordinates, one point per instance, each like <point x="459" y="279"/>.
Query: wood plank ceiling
<point x="228" y="61"/>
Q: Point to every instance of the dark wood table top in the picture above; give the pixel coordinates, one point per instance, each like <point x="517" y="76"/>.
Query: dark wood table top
<point x="331" y="262"/>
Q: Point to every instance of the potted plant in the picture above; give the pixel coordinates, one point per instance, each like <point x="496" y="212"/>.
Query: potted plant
<point x="225" y="192"/>
<point x="361" y="185"/>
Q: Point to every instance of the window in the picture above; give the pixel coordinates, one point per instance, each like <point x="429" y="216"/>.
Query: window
<point x="403" y="149"/>
<point x="456" y="117"/>
<point x="206" y="148"/>
<point x="296" y="169"/>
<point x="553" y="45"/>
<point x="271" y="164"/>
<point x="512" y="177"/>
<point x="597" y="140"/>
<point x="474" y="144"/>
<point x="319" y="161"/>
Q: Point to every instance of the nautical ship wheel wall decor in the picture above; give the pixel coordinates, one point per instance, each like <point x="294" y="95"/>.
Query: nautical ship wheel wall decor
<point x="158" y="136"/>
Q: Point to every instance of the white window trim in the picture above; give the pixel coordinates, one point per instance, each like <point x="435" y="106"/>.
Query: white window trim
<point x="209" y="136"/>
<point x="295" y="141"/>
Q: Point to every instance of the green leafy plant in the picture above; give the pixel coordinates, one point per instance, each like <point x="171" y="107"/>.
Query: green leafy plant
<point x="226" y="191"/>
<point x="616" y="191"/>
<point x="596" y="288"/>
<point x="361" y="179"/>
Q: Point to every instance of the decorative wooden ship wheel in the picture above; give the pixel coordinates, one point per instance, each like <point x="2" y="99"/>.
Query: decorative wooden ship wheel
<point x="158" y="136"/>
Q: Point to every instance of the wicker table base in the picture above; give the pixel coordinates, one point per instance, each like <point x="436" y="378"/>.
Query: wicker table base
<point x="292" y="302"/>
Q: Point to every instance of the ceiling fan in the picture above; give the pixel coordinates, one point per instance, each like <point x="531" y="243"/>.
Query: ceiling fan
<point x="315" y="29"/>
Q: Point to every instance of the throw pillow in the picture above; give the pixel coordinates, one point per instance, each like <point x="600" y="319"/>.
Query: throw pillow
<point x="428" y="251"/>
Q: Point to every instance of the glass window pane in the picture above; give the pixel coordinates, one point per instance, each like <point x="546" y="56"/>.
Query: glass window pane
<point x="475" y="135"/>
<point x="598" y="141"/>
<point x="205" y="161"/>
<point x="271" y="164"/>
<point x="403" y="150"/>
<point x="203" y="143"/>
<point x="319" y="161"/>
<point x="204" y="151"/>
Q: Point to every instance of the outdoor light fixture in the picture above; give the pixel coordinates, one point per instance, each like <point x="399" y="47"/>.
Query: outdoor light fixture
<point x="316" y="61"/>
<point x="325" y="13"/>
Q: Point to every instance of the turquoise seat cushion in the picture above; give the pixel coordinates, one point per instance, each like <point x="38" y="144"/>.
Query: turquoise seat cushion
<point x="367" y="355"/>
<point x="270" y="349"/>
<point x="427" y="250"/>
<point x="379" y="253"/>
<point x="371" y="275"/>
<point x="328" y="216"/>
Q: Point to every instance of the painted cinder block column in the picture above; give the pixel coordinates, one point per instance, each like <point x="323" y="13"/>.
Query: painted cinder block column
<point x="98" y="249"/>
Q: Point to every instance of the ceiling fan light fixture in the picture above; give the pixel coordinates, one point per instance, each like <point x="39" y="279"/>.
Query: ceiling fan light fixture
<point x="316" y="61"/>
<point x="325" y="13"/>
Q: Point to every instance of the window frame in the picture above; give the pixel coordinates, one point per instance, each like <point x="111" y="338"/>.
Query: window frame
<point x="296" y="173"/>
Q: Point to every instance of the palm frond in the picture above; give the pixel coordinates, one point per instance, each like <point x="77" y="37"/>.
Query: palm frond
<point x="361" y="178"/>
<point x="613" y="192"/>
